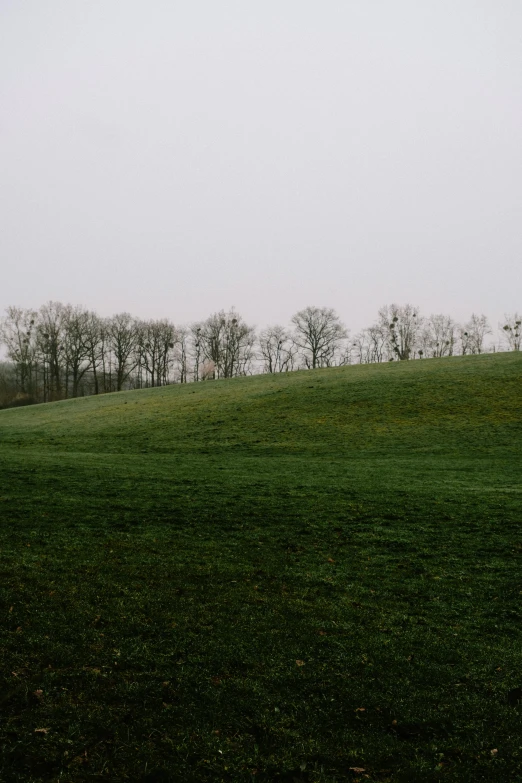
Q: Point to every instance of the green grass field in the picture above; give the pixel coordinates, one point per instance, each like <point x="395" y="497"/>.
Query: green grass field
<point x="307" y="577"/>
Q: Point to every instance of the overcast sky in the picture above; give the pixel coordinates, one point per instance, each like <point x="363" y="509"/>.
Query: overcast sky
<point x="172" y="158"/>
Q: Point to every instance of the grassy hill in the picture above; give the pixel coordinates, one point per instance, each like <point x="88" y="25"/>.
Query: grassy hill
<point x="286" y="578"/>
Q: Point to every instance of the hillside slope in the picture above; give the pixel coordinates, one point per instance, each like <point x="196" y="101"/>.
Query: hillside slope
<point x="456" y="405"/>
<point x="277" y="578"/>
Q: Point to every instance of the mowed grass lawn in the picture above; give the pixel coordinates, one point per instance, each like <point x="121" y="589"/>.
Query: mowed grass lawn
<point x="307" y="577"/>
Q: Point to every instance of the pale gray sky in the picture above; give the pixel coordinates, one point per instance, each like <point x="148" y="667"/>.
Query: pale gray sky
<point x="171" y="158"/>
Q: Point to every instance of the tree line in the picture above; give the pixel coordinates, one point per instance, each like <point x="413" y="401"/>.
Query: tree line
<point x="62" y="351"/>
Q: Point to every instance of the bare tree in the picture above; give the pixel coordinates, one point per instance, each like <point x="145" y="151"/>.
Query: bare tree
<point x="227" y="341"/>
<point x="181" y="353"/>
<point x="369" y="346"/>
<point x="77" y="348"/>
<point x="473" y="334"/>
<point x="402" y="325"/>
<point x="18" y="333"/>
<point x="277" y="349"/>
<point x="50" y="340"/>
<point x="378" y="341"/>
<point x="197" y="349"/>
<point x="512" y="331"/>
<point x="319" y="334"/>
<point x="107" y="359"/>
<point x="95" y="336"/>
<point x="123" y="334"/>
<point x="438" y="337"/>
<point x="361" y="348"/>
<point x="156" y="340"/>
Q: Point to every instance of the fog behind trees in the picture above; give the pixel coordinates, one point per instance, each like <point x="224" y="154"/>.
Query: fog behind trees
<point x="61" y="351"/>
